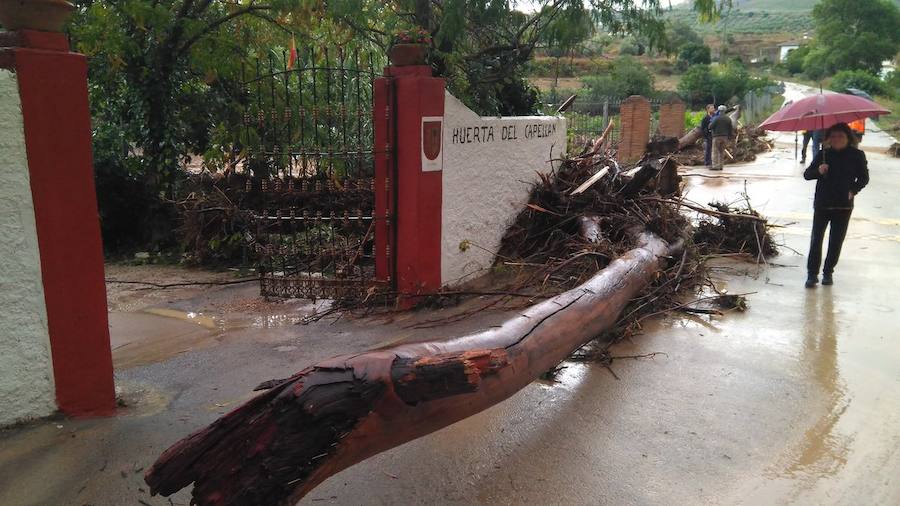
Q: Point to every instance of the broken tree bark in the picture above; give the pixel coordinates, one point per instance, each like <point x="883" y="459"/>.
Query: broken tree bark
<point x="281" y="444"/>
<point x="598" y="144"/>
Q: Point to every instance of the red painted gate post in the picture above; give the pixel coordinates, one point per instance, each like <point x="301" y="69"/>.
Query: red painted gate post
<point x="383" y="142"/>
<point x="417" y="109"/>
<point x="52" y="85"/>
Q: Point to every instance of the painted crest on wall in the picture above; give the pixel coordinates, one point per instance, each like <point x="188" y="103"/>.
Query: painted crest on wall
<point x="432" y="132"/>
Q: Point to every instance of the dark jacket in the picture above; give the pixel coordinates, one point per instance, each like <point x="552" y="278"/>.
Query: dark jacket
<point x="721" y="126"/>
<point x="848" y="171"/>
<point x="704" y="126"/>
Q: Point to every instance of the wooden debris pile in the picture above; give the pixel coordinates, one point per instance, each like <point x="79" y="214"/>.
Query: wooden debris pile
<point x="894" y="150"/>
<point x="583" y="215"/>
<point x="213" y="230"/>
<point x="735" y="230"/>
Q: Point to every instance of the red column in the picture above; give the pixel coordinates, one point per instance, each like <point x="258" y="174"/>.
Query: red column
<point x="417" y="207"/>
<point x="385" y="178"/>
<point x="53" y="91"/>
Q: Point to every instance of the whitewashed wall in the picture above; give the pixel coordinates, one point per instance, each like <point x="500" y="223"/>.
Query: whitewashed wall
<point x="26" y="371"/>
<point x="489" y="165"/>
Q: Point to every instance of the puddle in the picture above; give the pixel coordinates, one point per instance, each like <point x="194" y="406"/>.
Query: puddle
<point x="156" y="334"/>
<point x="145" y="338"/>
<point x="822" y="451"/>
<point x="190" y="316"/>
<point x="140" y="400"/>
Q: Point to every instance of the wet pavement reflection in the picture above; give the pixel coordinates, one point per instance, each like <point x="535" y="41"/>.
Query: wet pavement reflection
<point x="795" y="401"/>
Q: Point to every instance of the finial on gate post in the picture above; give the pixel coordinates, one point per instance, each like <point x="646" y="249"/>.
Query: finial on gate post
<point x="35" y="24"/>
<point x="35" y="15"/>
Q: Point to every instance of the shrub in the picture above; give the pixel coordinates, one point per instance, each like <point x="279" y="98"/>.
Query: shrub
<point x="793" y="62"/>
<point x="815" y="64"/>
<point x="892" y="84"/>
<point x="693" y="54"/>
<point x="730" y="81"/>
<point x="626" y="77"/>
<point x="693" y="119"/>
<point x="702" y="84"/>
<point x="632" y="47"/>
<point x="680" y="34"/>
<point x="859" y="79"/>
<point x="696" y="84"/>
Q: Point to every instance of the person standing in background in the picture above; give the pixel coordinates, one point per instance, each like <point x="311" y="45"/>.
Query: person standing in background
<point x="841" y="172"/>
<point x="818" y="136"/>
<point x="807" y="136"/>
<point x="721" y="129"/>
<point x="859" y="128"/>
<point x="707" y="135"/>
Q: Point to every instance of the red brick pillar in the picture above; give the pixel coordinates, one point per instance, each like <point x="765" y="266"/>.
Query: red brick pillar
<point x="52" y="86"/>
<point x="671" y="118"/>
<point x="417" y="110"/>
<point x="635" y="130"/>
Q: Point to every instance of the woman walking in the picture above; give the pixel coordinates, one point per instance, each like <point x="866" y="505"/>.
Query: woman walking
<point x="840" y="171"/>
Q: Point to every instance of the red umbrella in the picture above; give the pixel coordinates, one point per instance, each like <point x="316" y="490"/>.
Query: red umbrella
<point x="822" y="111"/>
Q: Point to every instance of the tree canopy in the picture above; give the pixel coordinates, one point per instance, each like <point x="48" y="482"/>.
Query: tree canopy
<point x="853" y="35"/>
<point x="165" y="75"/>
<point x="626" y="77"/>
<point x="719" y="84"/>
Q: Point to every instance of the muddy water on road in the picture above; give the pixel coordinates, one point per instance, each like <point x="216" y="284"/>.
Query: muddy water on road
<point x="796" y="401"/>
<point x="842" y="337"/>
<point x="155" y="334"/>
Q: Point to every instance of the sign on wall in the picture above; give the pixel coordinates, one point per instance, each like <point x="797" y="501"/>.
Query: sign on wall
<point x="432" y="154"/>
<point x="489" y="165"/>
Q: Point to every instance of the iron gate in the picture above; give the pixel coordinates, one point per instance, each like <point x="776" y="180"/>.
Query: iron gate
<point x="309" y="132"/>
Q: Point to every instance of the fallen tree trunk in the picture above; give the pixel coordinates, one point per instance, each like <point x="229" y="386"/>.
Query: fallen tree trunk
<point x="281" y="444"/>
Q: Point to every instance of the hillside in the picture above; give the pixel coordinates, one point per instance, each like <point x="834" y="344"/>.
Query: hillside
<point x="750" y="17"/>
<point x="775" y="5"/>
<point x="754" y="16"/>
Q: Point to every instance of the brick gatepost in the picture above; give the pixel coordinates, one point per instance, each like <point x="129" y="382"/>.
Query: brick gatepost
<point x="61" y="337"/>
<point x="412" y="101"/>
<point x="635" y="131"/>
<point x="671" y="118"/>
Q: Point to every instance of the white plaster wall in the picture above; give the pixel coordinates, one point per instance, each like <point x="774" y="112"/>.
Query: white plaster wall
<point x="487" y="180"/>
<point x="26" y="371"/>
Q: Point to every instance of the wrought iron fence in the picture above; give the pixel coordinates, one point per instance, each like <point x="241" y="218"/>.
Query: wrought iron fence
<point x="308" y="133"/>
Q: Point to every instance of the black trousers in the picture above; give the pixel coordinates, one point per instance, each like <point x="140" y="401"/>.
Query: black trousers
<point x="806" y="138"/>
<point x="707" y="151"/>
<point x="839" y="219"/>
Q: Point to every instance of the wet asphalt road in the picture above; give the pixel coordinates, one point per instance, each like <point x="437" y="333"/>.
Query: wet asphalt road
<point x="796" y="401"/>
